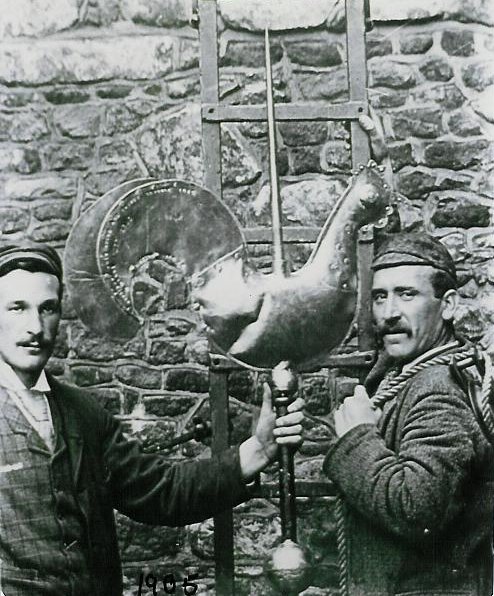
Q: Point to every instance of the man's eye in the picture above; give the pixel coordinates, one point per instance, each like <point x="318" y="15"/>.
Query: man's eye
<point x="378" y="298"/>
<point x="15" y="308"/>
<point x="408" y="294"/>
<point x="49" y="308"/>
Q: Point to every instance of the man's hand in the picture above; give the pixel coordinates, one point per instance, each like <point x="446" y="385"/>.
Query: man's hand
<point x="355" y="410"/>
<point x="258" y="451"/>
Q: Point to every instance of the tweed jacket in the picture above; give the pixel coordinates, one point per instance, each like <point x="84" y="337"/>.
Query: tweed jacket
<point x="110" y="471"/>
<point x="418" y="492"/>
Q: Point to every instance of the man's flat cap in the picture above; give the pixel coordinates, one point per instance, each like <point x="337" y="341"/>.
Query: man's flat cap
<point x="10" y="254"/>
<point x="412" y="248"/>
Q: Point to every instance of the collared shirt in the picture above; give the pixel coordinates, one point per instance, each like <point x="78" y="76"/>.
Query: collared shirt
<point x="32" y="402"/>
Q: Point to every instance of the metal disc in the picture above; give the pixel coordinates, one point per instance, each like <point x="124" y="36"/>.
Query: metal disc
<point x="154" y="238"/>
<point x="95" y="306"/>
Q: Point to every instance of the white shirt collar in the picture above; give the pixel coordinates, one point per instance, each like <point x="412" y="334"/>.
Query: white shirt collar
<point x="10" y="380"/>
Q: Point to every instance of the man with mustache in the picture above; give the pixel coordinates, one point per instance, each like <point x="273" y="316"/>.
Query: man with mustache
<point x="65" y="463"/>
<point x="416" y="474"/>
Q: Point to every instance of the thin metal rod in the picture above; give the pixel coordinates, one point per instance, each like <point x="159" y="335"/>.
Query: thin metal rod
<point x="278" y="256"/>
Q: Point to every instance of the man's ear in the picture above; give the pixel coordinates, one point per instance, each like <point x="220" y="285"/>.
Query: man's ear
<point x="449" y="304"/>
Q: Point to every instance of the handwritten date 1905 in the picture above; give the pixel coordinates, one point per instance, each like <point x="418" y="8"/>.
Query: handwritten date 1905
<point x="148" y="580"/>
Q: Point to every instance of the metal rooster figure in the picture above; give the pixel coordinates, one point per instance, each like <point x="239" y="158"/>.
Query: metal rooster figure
<point x="141" y="250"/>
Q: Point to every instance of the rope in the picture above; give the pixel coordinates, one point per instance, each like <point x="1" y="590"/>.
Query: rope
<point x="393" y="386"/>
<point x="487" y="392"/>
<point x="341" y="546"/>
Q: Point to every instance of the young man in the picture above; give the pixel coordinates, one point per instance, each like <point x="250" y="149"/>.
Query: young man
<point x="416" y="476"/>
<point x="65" y="463"/>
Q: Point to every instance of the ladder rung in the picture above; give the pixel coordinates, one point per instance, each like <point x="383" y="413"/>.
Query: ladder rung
<point x="291" y="235"/>
<point x="349" y="110"/>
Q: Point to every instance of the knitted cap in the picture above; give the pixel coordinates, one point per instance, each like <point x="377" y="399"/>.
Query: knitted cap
<point x="30" y="251"/>
<point x="412" y="248"/>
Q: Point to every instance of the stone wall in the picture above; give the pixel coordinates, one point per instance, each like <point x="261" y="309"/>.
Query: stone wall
<point x="96" y="92"/>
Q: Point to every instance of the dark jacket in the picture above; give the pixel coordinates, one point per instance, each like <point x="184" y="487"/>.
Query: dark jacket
<point x="418" y="491"/>
<point x="110" y="471"/>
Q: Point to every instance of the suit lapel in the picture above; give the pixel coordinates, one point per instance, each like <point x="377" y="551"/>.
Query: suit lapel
<point x="67" y="424"/>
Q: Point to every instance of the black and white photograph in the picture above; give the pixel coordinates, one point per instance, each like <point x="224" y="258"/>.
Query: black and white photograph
<point x="246" y="297"/>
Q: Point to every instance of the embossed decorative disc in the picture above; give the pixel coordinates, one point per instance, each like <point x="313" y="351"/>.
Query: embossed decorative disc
<point x="95" y="306"/>
<point x="133" y="252"/>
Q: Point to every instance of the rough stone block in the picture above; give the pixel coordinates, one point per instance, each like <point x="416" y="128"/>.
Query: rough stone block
<point x="401" y="155"/>
<point x="248" y="53"/>
<point x="168" y="404"/>
<point x="154" y="436"/>
<point x="460" y="212"/>
<point x="463" y="125"/>
<point x="21" y="160"/>
<point x="416" y="43"/>
<point x="304" y="203"/>
<point x="63" y="95"/>
<point x="328" y="85"/>
<point x="447" y="96"/>
<point x="32" y="18"/>
<point x="417" y="122"/>
<point x="255" y="15"/>
<point x="171" y="147"/>
<point x="188" y="54"/>
<point x="240" y="167"/>
<point x="386" y="73"/>
<point x="13" y="219"/>
<point x="157" y="13"/>
<point x="53" y="210"/>
<point x="478" y="75"/>
<point x="415" y="183"/>
<point x="199" y="352"/>
<point x="436" y="69"/>
<point x="87" y="376"/>
<point x="182" y="88"/>
<point x="484" y="104"/>
<point x="455" y="155"/>
<point x="88" y="346"/>
<point x="113" y="91"/>
<point x="382" y="99"/>
<point x="456" y="243"/>
<point x="378" y="46"/>
<point x="470" y="323"/>
<point x="48" y="185"/>
<point x="28" y="126"/>
<point x="315" y="53"/>
<point x="315" y="391"/>
<point x="458" y="42"/>
<point x="138" y="375"/>
<point x="15" y="98"/>
<point x="85" y="60"/>
<point x="125" y="117"/>
<point x="68" y="156"/>
<point x="241" y="386"/>
<point x="336" y="154"/>
<point x="304" y="160"/>
<point x="195" y="381"/>
<point x="166" y="351"/>
<point x="406" y="10"/>
<point x="303" y="133"/>
<point x="50" y="232"/>
<point x="114" y="153"/>
<point x="78" y="121"/>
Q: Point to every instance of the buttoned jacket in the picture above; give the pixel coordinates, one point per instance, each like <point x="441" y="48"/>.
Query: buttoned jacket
<point x="111" y="472"/>
<point x="418" y="493"/>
